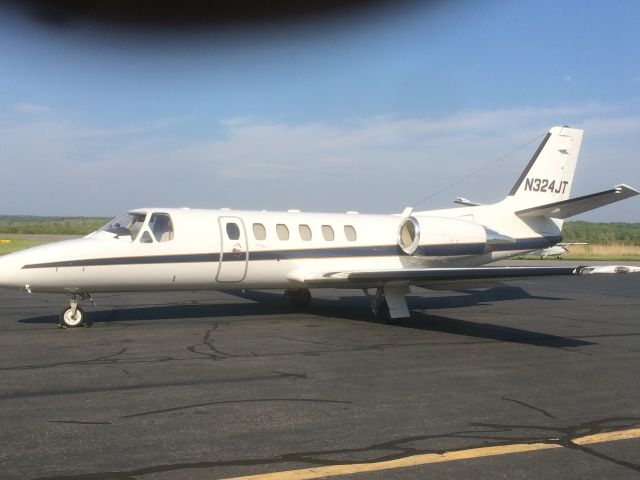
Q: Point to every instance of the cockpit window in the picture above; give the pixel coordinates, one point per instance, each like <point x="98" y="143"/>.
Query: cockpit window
<point x="146" y="237"/>
<point x="126" y="225"/>
<point x="161" y="226"/>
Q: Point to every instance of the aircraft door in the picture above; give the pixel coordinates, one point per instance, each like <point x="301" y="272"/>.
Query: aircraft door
<point x="234" y="255"/>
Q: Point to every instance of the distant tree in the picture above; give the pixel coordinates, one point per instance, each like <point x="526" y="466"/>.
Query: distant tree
<point x="50" y="225"/>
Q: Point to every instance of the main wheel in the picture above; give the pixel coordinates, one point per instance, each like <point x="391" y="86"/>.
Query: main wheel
<point x="380" y="309"/>
<point x="299" y="298"/>
<point x="70" y="321"/>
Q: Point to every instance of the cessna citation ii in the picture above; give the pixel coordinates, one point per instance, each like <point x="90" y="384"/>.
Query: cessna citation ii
<point x="183" y="249"/>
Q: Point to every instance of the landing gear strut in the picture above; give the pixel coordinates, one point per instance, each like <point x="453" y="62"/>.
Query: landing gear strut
<point x="73" y="315"/>
<point x="298" y="297"/>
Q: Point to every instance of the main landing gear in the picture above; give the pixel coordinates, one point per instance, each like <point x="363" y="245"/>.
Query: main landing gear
<point x="389" y="304"/>
<point x="73" y="315"/>
<point x="299" y="298"/>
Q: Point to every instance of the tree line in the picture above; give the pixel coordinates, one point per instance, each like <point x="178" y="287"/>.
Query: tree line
<point x="50" y="225"/>
<point x="602" y="233"/>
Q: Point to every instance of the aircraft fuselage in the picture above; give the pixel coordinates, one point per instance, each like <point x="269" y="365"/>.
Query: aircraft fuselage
<point x="218" y="249"/>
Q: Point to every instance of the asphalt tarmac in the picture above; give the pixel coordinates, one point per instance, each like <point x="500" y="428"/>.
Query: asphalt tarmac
<point x="533" y="379"/>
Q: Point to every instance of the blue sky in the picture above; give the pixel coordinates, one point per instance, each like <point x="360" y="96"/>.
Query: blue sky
<point x="371" y="112"/>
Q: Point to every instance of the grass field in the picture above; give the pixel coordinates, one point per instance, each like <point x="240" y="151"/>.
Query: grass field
<point x="600" y="252"/>
<point x="603" y="252"/>
<point x="13" y="242"/>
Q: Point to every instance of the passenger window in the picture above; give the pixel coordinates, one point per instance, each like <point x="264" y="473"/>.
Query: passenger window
<point x="350" y="233"/>
<point x="282" y="231"/>
<point x="146" y="237"/>
<point x="233" y="231"/>
<point x="259" y="232"/>
<point x="305" y="232"/>
<point x="327" y="233"/>
<point x="161" y="226"/>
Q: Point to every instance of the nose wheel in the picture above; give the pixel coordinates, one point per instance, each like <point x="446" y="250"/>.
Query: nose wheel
<point x="70" y="318"/>
<point x="73" y="315"/>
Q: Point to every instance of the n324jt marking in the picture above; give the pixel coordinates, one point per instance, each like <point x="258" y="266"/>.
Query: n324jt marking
<point x="545" y="185"/>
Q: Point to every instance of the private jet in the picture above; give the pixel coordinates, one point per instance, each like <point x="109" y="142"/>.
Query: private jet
<point x="556" y="250"/>
<point x="161" y="249"/>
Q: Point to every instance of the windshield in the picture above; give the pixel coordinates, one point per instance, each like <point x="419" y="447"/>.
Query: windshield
<point x="127" y="224"/>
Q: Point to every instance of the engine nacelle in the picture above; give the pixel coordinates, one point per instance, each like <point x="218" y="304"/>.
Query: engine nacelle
<point x="437" y="236"/>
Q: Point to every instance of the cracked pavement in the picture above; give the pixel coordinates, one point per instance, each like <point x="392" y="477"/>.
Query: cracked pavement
<point x="205" y="385"/>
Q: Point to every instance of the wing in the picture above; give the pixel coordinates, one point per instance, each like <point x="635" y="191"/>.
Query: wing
<point x="424" y="276"/>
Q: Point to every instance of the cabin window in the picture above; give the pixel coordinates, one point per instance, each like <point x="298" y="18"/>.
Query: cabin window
<point x="259" y="232"/>
<point x="161" y="226"/>
<point x="233" y="231"/>
<point x="146" y="237"/>
<point x="350" y="233"/>
<point x="327" y="233"/>
<point x="282" y="231"/>
<point x="305" y="232"/>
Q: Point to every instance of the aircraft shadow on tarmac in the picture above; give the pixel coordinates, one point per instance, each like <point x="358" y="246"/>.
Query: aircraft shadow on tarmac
<point x="349" y="307"/>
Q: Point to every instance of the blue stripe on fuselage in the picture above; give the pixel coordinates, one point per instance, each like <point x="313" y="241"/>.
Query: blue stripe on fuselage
<point x="454" y="249"/>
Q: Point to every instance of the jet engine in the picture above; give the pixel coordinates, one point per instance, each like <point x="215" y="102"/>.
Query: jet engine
<point x="427" y="236"/>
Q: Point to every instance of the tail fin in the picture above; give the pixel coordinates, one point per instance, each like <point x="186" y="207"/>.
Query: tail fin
<point x="548" y="176"/>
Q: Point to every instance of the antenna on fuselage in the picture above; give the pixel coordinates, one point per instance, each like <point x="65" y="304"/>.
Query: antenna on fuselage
<point x="407" y="212"/>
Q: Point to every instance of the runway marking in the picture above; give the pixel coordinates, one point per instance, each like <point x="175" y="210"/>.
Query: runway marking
<point x="428" y="458"/>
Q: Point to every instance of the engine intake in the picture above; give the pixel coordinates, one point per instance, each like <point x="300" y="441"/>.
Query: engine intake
<point x="409" y="235"/>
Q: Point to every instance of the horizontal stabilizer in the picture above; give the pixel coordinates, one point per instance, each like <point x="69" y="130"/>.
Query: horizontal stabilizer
<point x="422" y="276"/>
<point x="575" y="206"/>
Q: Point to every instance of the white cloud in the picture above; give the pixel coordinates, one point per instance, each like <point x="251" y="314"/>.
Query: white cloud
<point x="143" y="128"/>
<point x="31" y="108"/>
<point x="374" y="164"/>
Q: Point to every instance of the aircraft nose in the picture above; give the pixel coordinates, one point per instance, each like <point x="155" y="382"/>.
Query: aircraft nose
<point x="9" y="272"/>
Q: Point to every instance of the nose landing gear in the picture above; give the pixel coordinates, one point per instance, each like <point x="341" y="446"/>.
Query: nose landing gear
<point x="73" y="315"/>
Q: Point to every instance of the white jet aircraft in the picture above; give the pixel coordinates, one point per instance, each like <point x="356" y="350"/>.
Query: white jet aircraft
<point x="556" y="250"/>
<point x="182" y="249"/>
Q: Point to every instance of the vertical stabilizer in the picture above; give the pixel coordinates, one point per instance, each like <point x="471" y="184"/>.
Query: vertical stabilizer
<point x="548" y="176"/>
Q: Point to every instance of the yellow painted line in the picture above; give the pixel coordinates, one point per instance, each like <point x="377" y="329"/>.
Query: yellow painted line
<point x="608" y="437"/>
<point x="428" y="458"/>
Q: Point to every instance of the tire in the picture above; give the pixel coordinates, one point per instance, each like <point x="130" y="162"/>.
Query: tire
<point x="381" y="311"/>
<point x="384" y="316"/>
<point x="300" y="298"/>
<point x="67" y="321"/>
